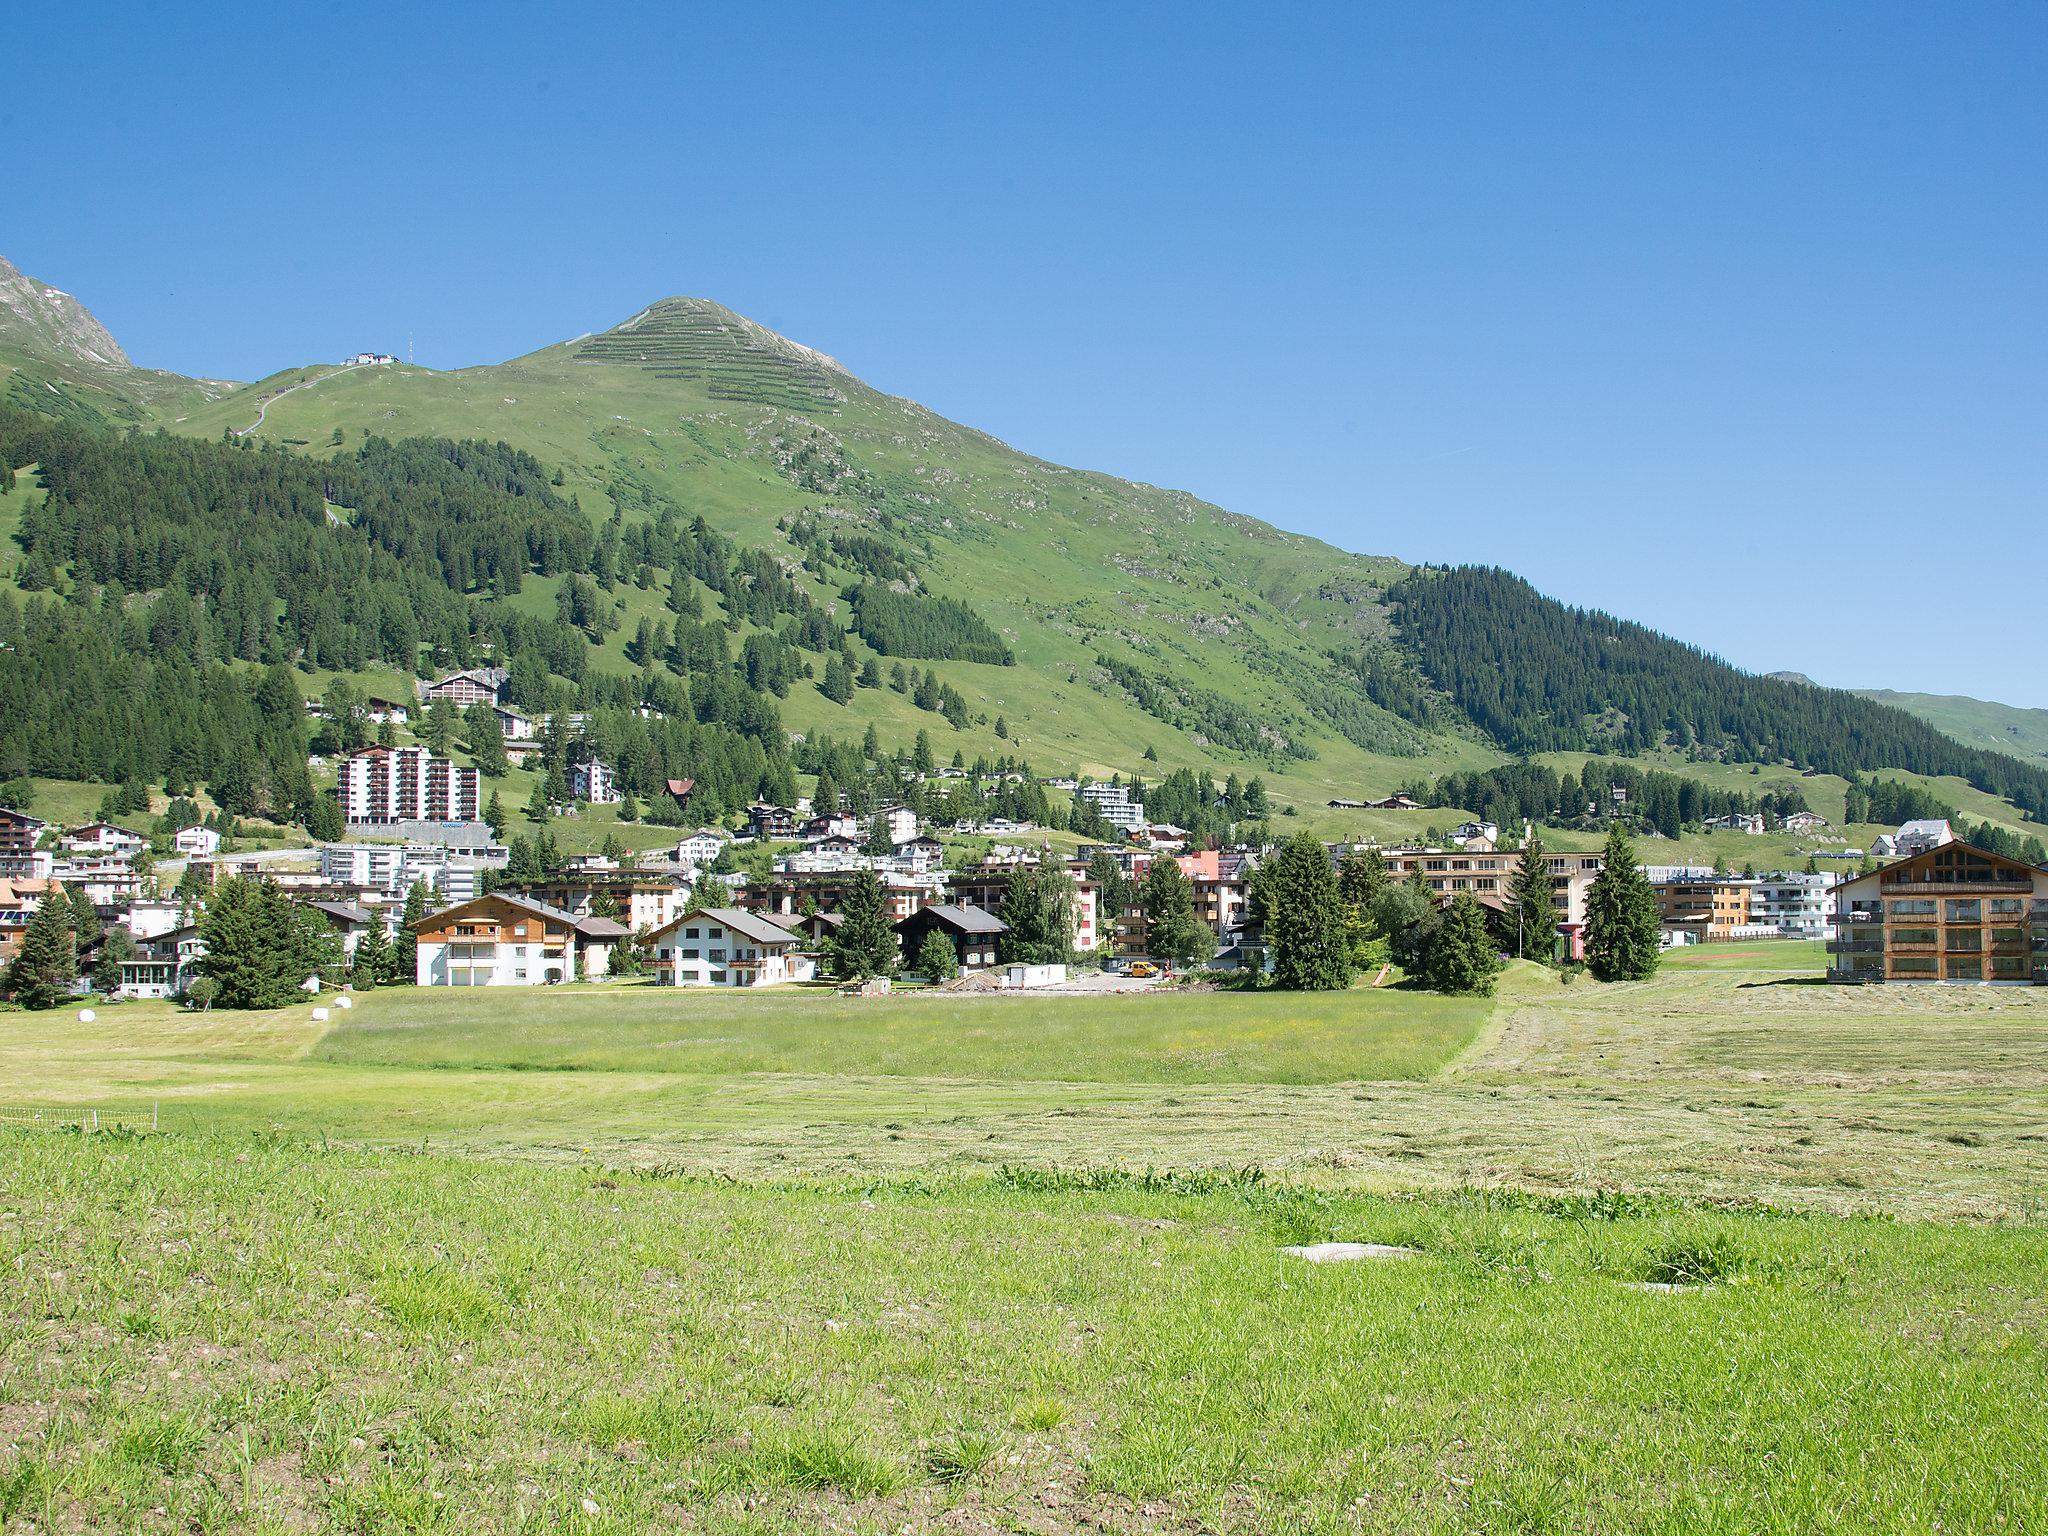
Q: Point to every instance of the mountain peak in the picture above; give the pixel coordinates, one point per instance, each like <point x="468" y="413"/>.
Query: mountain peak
<point x="41" y="319"/>
<point x="736" y="358"/>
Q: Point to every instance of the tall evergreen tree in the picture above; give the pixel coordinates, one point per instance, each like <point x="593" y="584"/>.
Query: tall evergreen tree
<point x="937" y="958"/>
<point x="1462" y="958"/>
<point x="44" y="969"/>
<point x="1622" y="925"/>
<point x="405" y="948"/>
<point x="1038" y="908"/>
<point x="1304" y="918"/>
<point x="864" y="944"/>
<point x="1529" y="900"/>
<point x="1172" y="931"/>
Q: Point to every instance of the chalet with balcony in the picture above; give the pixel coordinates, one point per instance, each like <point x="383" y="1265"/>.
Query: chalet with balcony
<point x="728" y="947"/>
<point x="1952" y="913"/>
<point x="504" y="940"/>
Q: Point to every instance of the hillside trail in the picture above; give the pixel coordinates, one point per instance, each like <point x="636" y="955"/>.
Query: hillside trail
<point x="264" y="409"/>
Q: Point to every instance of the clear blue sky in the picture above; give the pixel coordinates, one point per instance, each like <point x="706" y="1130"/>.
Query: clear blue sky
<point x="1731" y="319"/>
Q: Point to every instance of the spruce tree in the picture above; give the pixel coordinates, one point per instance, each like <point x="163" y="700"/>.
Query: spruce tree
<point x="1172" y="931"/>
<point x="1038" y="908"/>
<point x="47" y="964"/>
<point x="1529" y="902"/>
<point x="372" y="965"/>
<point x="1304" y="916"/>
<point x="1462" y="958"/>
<point x="1621" y="916"/>
<point x="864" y="944"/>
<point x="937" y="958"/>
<point x="405" y="948"/>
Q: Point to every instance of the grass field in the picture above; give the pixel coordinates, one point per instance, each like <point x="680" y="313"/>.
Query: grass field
<point x="612" y="1259"/>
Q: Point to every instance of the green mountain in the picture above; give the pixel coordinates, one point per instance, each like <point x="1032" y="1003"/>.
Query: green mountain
<point x="752" y="505"/>
<point x="2021" y="733"/>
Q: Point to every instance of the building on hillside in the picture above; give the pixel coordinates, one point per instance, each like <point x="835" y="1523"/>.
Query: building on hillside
<point x="1470" y="832"/>
<point x="774" y="822"/>
<point x="728" y="947"/>
<point x="394" y="868"/>
<point x="1116" y="805"/>
<point x="381" y="785"/>
<point x="1750" y="824"/>
<point x="1920" y="836"/>
<point x="103" y="837"/>
<point x="921" y="854"/>
<point x="385" y="711"/>
<point x="107" y="879"/>
<point x="514" y="725"/>
<point x="164" y="964"/>
<point x="19" y="832"/>
<point x="702" y="847"/>
<point x="899" y="823"/>
<point x="1395" y="803"/>
<point x="832" y="824"/>
<point x="590" y="779"/>
<point x="197" y="842"/>
<point x="473" y="685"/>
<point x="638" y="899"/>
<point x="972" y="931"/>
<point x="1951" y="913"/>
<point x="503" y="940"/>
<point x="1804" y="821"/>
<point x="147" y="917"/>
<point x="1884" y="846"/>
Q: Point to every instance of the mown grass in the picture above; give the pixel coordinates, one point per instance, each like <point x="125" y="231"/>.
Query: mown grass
<point x="382" y="1342"/>
<point x="1158" y="1037"/>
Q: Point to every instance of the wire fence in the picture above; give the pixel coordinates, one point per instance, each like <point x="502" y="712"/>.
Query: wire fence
<point x="57" y="1117"/>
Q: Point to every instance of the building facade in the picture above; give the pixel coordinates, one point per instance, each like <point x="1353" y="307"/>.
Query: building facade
<point x="728" y="947"/>
<point x="1950" y="914"/>
<point x="504" y="940"/>
<point x="381" y="785"/>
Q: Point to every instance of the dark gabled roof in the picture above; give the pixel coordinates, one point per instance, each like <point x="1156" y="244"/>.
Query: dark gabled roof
<point x="343" y="910"/>
<point x="968" y="920"/>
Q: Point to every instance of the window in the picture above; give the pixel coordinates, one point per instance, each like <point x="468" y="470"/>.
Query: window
<point x="1971" y="911"/>
<point x="1909" y="965"/>
<point x="692" y="933"/>
<point x="1914" y="908"/>
<point x="2008" y="967"/>
<point x="1916" y="936"/>
<point x="2004" y="908"/>
<point x="1965" y="941"/>
<point x="1966" y="970"/>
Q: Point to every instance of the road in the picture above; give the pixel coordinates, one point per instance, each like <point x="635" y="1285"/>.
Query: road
<point x="264" y="410"/>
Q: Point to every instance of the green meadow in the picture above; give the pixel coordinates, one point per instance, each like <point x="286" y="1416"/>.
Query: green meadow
<point x="1727" y="1250"/>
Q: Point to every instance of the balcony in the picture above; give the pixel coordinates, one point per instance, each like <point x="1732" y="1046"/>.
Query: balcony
<point x="1956" y="887"/>
<point x="1862" y="945"/>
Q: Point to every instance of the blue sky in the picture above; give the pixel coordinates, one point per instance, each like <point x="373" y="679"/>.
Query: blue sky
<point x="1731" y="319"/>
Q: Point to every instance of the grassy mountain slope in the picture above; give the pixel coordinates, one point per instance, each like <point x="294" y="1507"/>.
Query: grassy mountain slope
<point x="691" y="405"/>
<point x="2021" y="733"/>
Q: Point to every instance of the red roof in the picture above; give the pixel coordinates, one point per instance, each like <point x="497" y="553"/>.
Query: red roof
<point x="681" y="787"/>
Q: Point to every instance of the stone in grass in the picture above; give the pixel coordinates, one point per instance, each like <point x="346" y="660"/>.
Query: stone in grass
<point x="1347" y="1253"/>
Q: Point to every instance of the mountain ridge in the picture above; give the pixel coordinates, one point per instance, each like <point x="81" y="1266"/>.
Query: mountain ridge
<point x="1146" y="623"/>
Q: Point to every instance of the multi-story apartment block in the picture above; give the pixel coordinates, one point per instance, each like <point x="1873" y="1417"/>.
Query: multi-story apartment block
<point x="1704" y="909"/>
<point x="1797" y="906"/>
<point x="1449" y="871"/>
<point x="394" y="868"/>
<point x="477" y="685"/>
<point x="379" y="785"/>
<point x="18" y="856"/>
<point x="1950" y="914"/>
<point x="1116" y="805"/>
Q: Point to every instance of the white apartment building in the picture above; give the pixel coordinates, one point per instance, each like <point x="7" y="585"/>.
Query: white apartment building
<point x="387" y="784"/>
<point x="1796" y="905"/>
<point x="1116" y="805"/>
<point x="394" y="868"/>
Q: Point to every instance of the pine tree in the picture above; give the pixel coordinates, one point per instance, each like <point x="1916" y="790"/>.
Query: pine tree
<point x="1304" y="917"/>
<point x="1622" y="923"/>
<point x="1529" y="901"/>
<point x="937" y="958"/>
<point x="1172" y="931"/>
<point x="405" y="948"/>
<point x="441" y="725"/>
<point x="1038" y="908"/>
<point x="372" y="965"/>
<point x="1361" y="877"/>
<point x="47" y="964"/>
<point x="537" y="807"/>
<point x="1462" y="958"/>
<point x="117" y="945"/>
<point x="864" y="944"/>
